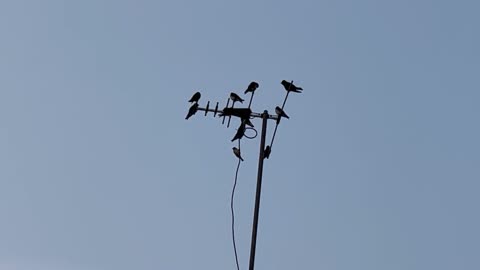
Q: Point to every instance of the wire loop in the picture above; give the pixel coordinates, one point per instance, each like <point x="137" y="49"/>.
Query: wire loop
<point x="253" y="136"/>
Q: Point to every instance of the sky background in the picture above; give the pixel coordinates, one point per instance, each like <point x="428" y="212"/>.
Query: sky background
<point x="378" y="167"/>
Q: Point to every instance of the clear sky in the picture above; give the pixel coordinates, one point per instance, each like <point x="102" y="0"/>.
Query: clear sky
<point x="378" y="167"/>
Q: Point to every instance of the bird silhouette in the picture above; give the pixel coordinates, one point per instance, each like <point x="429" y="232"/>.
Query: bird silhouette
<point x="196" y="97"/>
<point x="252" y="87"/>
<point x="193" y="109"/>
<point x="280" y="112"/>
<point x="234" y="97"/>
<point x="240" y="132"/>
<point x="291" y="87"/>
<point x="236" y="151"/>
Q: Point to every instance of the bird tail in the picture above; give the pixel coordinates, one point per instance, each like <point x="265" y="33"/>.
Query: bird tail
<point x="240" y="158"/>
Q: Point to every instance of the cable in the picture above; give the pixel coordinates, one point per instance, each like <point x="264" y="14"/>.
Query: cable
<point x="278" y="121"/>
<point x="251" y="99"/>
<point x="251" y="137"/>
<point x="274" y="133"/>
<point x="233" y="212"/>
<point x="233" y="194"/>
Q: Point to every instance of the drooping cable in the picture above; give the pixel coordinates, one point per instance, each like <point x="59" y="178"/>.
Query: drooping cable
<point x="233" y="211"/>
<point x="233" y="195"/>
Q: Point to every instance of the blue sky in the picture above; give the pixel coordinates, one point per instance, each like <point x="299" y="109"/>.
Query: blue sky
<point x="378" y="167"/>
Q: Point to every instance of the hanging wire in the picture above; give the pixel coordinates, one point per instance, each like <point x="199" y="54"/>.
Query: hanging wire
<point x="233" y="211"/>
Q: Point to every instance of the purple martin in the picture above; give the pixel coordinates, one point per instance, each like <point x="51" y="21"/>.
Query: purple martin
<point x="252" y="87"/>
<point x="193" y="109"/>
<point x="196" y="97"/>
<point x="236" y="151"/>
<point x="291" y="87"/>
<point x="240" y="132"/>
<point x="234" y="97"/>
<point x="280" y="112"/>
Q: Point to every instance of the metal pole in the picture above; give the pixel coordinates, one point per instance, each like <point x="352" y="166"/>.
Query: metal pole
<point x="259" y="189"/>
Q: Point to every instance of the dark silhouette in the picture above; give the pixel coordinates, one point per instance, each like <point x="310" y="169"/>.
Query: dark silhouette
<point x="252" y="87"/>
<point x="193" y="109"/>
<point x="267" y="152"/>
<point x="248" y="122"/>
<point x="236" y="151"/>
<point x="246" y="114"/>
<point x="291" y="87"/>
<point x="240" y="132"/>
<point x="196" y="97"/>
<point x="281" y="113"/>
<point x="234" y="97"/>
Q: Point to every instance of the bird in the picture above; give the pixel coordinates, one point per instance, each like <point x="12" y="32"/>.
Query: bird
<point x="291" y="87"/>
<point x="234" y="97"/>
<point x="252" y="87"/>
<point x="236" y="151"/>
<point x="193" y="109"/>
<point x="267" y="151"/>
<point x="281" y="113"/>
<point x="240" y="132"/>
<point x="196" y="97"/>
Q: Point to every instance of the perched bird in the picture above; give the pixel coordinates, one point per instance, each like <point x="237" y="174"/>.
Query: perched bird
<point x="236" y="151"/>
<point x="193" y="109"/>
<point x="234" y="97"/>
<point x="240" y="132"/>
<point x="291" y="87"/>
<point x="196" y="97"/>
<point x="252" y="87"/>
<point x="280" y="112"/>
<point x="267" y="151"/>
